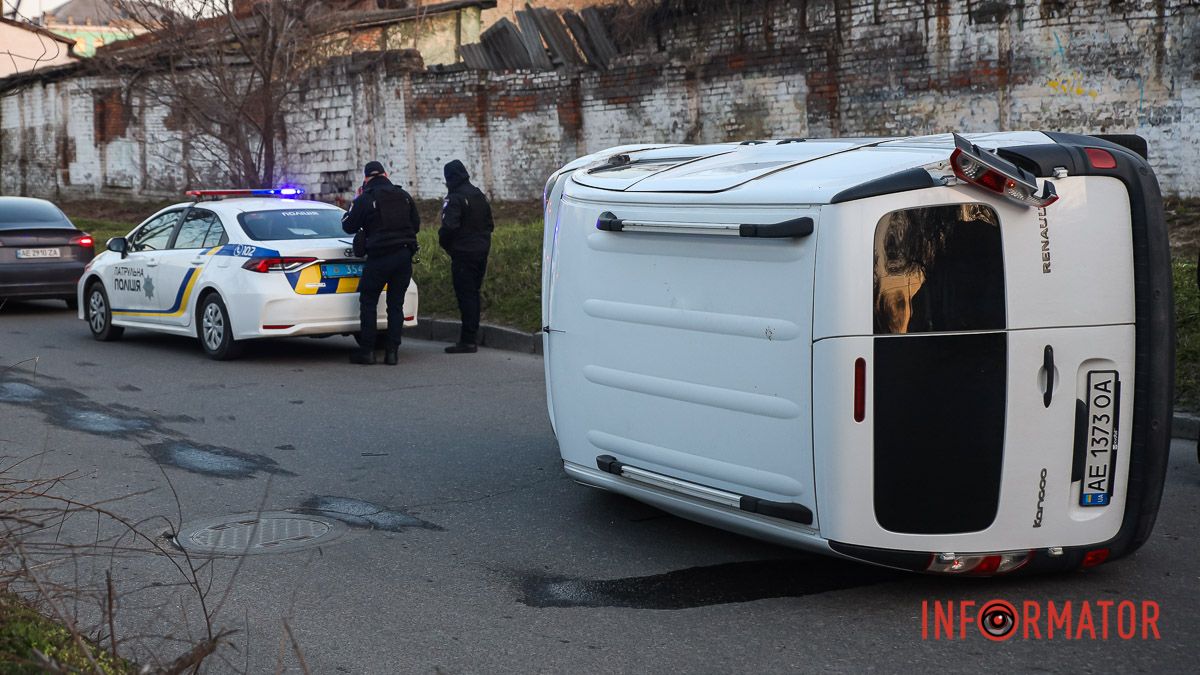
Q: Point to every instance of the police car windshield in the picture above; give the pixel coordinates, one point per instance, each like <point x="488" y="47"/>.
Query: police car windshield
<point x="298" y="223"/>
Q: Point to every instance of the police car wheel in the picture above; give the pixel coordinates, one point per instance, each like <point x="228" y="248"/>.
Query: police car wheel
<point x="99" y="315"/>
<point x="215" y="330"/>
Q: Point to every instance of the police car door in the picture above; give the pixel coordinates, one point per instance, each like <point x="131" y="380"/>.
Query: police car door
<point x="131" y="282"/>
<point x="180" y="266"/>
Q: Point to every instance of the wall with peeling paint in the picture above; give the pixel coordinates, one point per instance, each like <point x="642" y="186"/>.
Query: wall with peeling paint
<point x="771" y="69"/>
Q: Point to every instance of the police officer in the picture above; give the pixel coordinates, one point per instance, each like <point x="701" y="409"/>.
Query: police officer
<point x="466" y="235"/>
<point x="388" y="219"/>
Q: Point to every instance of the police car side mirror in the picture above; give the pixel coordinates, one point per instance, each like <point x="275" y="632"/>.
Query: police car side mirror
<point x="119" y="245"/>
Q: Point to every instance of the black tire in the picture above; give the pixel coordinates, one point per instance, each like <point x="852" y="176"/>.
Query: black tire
<point x="214" y="329"/>
<point x="99" y="315"/>
<point x="72" y="303"/>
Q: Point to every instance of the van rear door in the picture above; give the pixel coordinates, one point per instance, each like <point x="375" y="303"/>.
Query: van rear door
<point x="984" y="368"/>
<point x="683" y="352"/>
<point x="1071" y="313"/>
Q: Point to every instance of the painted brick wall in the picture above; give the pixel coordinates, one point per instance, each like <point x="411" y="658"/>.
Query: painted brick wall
<point x="771" y="69"/>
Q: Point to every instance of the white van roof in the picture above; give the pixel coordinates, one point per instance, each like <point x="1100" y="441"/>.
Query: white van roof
<point x="793" y="171"/>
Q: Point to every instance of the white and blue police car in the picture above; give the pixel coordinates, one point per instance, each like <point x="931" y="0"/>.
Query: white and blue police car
<point x="230" y="266"/>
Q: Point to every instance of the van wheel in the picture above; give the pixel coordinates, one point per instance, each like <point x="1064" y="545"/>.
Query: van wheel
<point x="215" y="330"/>
<point x="99" y="315"/>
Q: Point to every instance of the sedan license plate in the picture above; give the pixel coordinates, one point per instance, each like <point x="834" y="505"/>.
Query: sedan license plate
<point x="341" y="270"/>
<point x="1103" y="412"/>
<point x="39" y="253"/>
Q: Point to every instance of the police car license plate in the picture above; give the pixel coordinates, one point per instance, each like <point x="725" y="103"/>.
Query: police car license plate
<point x="341" y="270"/>
<point x="1103" y="408"/>
<point x="39" y="253"/>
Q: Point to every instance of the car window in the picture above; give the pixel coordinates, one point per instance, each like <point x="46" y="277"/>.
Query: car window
<point x="201" y="229"/>
<point x="938" y="269"/>
<point x="22" y="213"/>
<point x="155" y="234"/>
<point x="297" y="223"/>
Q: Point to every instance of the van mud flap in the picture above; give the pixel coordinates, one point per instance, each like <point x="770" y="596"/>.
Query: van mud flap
<point x="797" y="513"/>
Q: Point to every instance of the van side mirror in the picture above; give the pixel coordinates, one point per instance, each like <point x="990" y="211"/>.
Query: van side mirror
<point x="119" y="245"/>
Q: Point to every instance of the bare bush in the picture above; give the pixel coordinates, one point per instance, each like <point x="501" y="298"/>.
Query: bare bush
<point x="33" y="516"/>
<point x="225" y="70"/>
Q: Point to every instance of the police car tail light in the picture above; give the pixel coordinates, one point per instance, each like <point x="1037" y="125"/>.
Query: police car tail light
<point x="985" y="169"/>
<point x="265" y="265"/>
<point x="84" y="240"/>
<point x="978" y="564"/>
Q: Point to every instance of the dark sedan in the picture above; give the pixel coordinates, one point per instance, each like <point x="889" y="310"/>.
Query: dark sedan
<point x="42" y="255"/>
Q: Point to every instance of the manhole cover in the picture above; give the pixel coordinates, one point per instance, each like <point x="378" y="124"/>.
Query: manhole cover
<point x="256" y="533"/>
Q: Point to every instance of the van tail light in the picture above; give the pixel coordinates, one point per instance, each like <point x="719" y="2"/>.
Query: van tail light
<point x="984" y="169"/>
<point x="265" y="265"/>
<point x="1100" y="159"/>
<point x="1094" y="557"/>
<point x="860" y="390"/>
<point x="84" y="240"/>
<point x="979" y="564"/>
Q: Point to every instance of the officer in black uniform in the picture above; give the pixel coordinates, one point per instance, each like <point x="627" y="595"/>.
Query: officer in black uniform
<point x="388" y="219"/>
<point x="466" y="235"/>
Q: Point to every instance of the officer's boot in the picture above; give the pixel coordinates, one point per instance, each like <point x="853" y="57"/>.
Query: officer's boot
<point x="390" y="355"/>
<point x="366" y="358"/>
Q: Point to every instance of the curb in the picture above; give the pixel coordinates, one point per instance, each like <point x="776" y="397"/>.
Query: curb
<point x="490" y="336"/>
<point x="1185" y="426"/>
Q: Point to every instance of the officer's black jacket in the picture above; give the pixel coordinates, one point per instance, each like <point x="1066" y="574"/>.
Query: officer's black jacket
<point x="466" y="215"/>
<point x="384" y="235"/>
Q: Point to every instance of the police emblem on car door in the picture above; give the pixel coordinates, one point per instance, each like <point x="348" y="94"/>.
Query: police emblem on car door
<point x="133" y="282"/>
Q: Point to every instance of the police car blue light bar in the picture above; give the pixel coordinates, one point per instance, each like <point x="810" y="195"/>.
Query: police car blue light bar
<point x="254" y="192"/>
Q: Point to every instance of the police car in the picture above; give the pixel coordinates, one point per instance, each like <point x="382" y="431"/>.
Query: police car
<point x="234" y="265"/>
<point x="946" y="354"/>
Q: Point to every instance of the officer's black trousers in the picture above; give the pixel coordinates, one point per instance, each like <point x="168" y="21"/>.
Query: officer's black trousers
<point x="395" y="270"/>
<point x="467" y="270"/>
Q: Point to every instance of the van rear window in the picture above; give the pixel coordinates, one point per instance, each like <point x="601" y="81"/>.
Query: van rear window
<point x="939" y="269"/>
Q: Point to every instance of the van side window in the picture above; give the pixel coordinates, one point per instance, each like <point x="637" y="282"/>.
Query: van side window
<point x="938" y="269"/>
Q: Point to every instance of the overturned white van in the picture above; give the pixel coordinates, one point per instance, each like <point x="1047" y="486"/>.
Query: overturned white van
<point x="942" y="353"/>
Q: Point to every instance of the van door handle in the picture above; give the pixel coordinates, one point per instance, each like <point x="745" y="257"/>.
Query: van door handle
<point x="788" y="229"/>
<point x="1048" y="366"/>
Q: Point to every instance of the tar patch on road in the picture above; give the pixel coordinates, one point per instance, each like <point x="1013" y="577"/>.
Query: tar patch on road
<point x="359" y="513"/>
<point x="703" y="586"/>
<point x="66" y="408"/>
<point x="19" y="392"/>
<point x="69" y="409"/>
<point x="96" y="422"/>
<point x="211" y="460"/>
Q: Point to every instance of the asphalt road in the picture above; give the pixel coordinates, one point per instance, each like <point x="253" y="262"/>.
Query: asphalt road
<point x="471" y="551"/>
